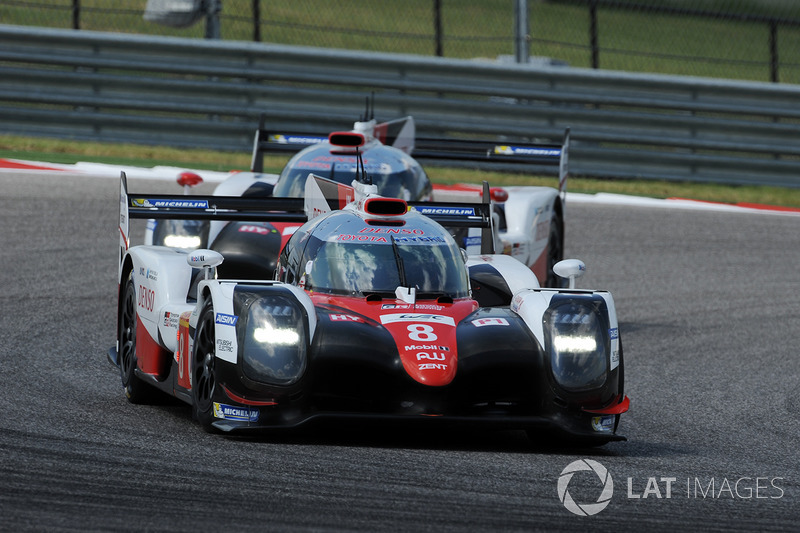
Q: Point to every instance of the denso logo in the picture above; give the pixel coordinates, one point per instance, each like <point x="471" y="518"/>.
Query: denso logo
<point x="146" y="298"/>
<point x="227" y="320"/>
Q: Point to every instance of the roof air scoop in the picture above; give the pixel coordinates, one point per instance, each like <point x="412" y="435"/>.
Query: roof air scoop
<point x="385" y="207"/>
<point x="347" y="139"/>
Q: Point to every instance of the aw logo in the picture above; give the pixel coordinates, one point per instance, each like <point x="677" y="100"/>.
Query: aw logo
<point x="585" y="509"/>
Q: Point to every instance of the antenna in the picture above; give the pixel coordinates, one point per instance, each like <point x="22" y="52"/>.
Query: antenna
<point x="362" y="176"/>
<point x="372" y="110"/>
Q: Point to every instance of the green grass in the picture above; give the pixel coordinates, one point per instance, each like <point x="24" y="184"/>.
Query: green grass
<point x="639" y="40"/>
<point x="68" y="152"/>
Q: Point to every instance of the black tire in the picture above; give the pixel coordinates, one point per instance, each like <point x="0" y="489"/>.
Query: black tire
<point x="621" y="382"/>
<point x="136" y="390"/>
<point x="204" y="381"/>
<point x="555" y="252"/>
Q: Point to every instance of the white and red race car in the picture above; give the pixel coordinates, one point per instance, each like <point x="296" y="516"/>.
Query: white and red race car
<point x="528" y="222"/>
<point x="375" y="314"/>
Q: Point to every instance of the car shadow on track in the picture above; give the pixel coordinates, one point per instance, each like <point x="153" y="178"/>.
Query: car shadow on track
<point x="428" y="438"/>
<point x="452" y="439"/>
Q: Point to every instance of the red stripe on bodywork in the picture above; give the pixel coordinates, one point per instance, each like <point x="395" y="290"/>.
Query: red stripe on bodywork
<point x="462" y="187"/>
<point x="245" y="401"/>
<point x="149" y="354"/>
<point x="346" y="195"/>
<point x="539" y="267"/>
<point x="183" y="350"/>
<point x="616" y="409"/>
<point x="124" y="238"/>
<point x="424" y="333"/>
<point x="283" y="228"/>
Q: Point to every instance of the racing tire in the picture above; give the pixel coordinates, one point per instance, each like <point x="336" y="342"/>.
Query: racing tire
<point x="204" y="381"/>
<point x="555" y="252"/>
<point x="621" y="382"/>
<point x="136" y="390"/>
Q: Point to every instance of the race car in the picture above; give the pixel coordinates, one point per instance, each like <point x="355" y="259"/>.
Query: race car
<point x="529" y="221"/>
<point x="375" y="314"/>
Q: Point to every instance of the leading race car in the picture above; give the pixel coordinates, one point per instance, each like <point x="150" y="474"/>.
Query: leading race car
<point x="375" y="314"/>
<point x="529" y="221"/>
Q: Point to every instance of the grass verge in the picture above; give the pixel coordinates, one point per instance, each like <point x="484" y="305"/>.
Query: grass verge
<point x="69" y="152"/>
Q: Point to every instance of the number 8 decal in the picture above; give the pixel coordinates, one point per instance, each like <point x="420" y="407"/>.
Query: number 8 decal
<point x="421" y="332"/>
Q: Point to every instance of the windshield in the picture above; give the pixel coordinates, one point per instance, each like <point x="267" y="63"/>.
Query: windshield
<point x="355" y="268"/>
<point x="395" y="174"/>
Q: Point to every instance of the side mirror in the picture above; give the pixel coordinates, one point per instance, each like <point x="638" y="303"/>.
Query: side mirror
<point x="205" y="259"/>
<point x="570" y="269"/>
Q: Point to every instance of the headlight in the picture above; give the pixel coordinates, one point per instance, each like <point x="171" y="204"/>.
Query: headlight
<point x="275" y="336"/>
<point x="185" y="234"/>
<point x="578" y="345"/>
<point x="182" y="241"/>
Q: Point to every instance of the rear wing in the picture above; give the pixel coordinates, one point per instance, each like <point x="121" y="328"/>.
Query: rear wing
<point x="323" y="195"/>
<point x="398" y="133"/>
<point x="517" y="153"/>
<point x="196" y="207"/>
<point x="271" y="209"/>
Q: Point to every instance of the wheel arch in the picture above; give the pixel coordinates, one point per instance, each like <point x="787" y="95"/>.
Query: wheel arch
<point x="125" y="270"/>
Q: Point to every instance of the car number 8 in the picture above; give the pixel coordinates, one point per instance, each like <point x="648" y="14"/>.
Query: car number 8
<point x="421" y="332"/>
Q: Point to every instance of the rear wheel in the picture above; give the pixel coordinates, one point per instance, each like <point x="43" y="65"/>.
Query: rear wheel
<point x="555" y="252"/>
<point x="204" y="381"/>
<point x="136" y="390"/>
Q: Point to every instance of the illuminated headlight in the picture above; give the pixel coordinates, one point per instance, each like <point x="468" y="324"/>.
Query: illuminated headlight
<point x="188" y="242"/>
<point x="274" y="348"/>
<point x="577" y="346"/>
<point x="277" y="336"/>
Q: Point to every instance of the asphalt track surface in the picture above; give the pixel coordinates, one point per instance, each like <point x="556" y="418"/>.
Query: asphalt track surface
<point x="709" y="311"/>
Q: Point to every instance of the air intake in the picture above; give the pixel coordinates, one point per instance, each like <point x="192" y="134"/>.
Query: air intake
<point x="385" y="207"/>
<point x="346" y="139"/>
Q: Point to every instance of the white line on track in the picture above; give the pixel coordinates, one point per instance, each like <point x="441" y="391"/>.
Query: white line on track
<point x="167" y="173"/>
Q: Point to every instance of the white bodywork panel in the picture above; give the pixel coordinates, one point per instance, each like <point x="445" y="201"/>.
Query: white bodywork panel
<point x="161" y="277"/>
<point x="528" y="214"/>
<point x="221" y="292"/>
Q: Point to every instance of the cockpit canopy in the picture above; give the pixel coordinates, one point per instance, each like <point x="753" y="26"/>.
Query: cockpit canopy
<point x="396" y="174"/>
<point x="342" y="253"/>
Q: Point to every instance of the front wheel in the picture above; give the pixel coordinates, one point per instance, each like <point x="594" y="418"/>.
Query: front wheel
<point x="204" y="381"/>
<point x="136" y="390"/>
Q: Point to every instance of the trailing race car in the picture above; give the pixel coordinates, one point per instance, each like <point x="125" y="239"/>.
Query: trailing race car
<point x="529" y="221"/>
<point x="375" y="314"/>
